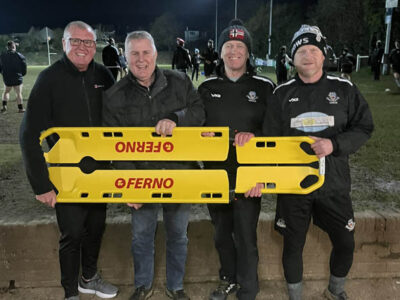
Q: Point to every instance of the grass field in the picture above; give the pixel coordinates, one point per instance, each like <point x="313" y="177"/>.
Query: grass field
<point x="375" y="168"/>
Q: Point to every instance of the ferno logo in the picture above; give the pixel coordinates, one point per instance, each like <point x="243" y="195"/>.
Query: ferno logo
<point x="144" y="147"/>
<point x="144" y="183"/>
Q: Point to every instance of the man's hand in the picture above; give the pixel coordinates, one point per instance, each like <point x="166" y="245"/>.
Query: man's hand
<point x="208" y="134"/>
<point x="255" y="191"/>
<point x="49" y="198"/>
<point x="164" y="127"/>
<point x="242" y="138"/>
<point x="136" y="206"/>
<point x="322" y="147"/>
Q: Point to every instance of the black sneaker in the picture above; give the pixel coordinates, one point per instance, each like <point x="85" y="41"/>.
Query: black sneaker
<point x="224" y="289"/>
<point x="329" y="295"/>
<point x="177" y="295"/>
<point x="3" y="110"/>
<point x="98" y="287"/>
<point x="141" y="293"/>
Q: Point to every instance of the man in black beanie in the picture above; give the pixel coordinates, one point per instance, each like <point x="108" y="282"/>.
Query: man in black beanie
<point x="331" y="111"/>
<point x="236" y="98"/>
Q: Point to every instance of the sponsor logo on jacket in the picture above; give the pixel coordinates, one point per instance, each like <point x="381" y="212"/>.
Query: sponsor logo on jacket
<point x="252" y="96"/>
<point x="293" y="100"/>
<point x="215" y="95"/>
<point x="350" y="225"/>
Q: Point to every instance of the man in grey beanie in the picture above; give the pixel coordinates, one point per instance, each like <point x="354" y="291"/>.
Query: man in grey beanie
<point x="331" y="111"/>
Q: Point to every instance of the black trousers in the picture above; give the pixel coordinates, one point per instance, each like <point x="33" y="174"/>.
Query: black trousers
<point x="236" y="242"/>
<point x="81" y="226"/>
<point x="195" y="71"/>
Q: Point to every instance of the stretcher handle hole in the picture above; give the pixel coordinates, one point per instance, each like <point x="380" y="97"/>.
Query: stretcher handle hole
<point x="155" y="134"/>
<point x="107" y="195"/>
<point x="265" y="144"/>
<point x="84" y="195"/>
<point x="118" y="134"/>
<point x="306" y="147"/>
<point x="85" y="134"/>
<point x="216" y="134"/>
<point x="217" y="195"/>
<point x="205" y="195"/>
<point x="309" y="181"/>
<point x="270" y="185"/>
<point x="117" y="195"/>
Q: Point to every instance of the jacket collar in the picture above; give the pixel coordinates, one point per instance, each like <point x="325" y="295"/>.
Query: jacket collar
<point x="160" y="82"/>
<point x="71" y="67"/>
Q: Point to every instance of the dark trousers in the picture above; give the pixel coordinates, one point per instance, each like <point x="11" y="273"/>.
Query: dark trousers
<point x="377" y="71"/>
<point x="195" y="71"/>
<point x="81" y="227"/>
<point x="236" y="242"/>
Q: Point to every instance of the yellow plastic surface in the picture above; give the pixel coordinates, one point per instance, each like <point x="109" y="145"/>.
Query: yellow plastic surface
<point x="274" y="150"/>
<point x="140" y="186"/>
<point x="138" y="143"/>
<point x="277" y="179"/>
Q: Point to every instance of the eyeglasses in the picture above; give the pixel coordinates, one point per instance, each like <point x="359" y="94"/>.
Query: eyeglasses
<point x="77" y="42"/>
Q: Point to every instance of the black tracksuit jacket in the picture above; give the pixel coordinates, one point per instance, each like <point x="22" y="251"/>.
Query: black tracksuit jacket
<point x="61" y="97"/>
<point x="239" y="105"/>
<point x="330" y="96"/>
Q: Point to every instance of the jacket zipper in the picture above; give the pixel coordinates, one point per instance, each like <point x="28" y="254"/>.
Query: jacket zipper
<point x="87" y="100"/>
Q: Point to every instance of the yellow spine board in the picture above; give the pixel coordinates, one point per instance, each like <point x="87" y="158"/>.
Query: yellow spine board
<point x="140" y="186"/>
<point x="278" y="179"/>
<point x="274" y="150"/>
<point x="139" y="143"/>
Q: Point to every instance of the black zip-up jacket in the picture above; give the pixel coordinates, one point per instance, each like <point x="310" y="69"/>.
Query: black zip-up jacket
<point x="238" y="104"/>
<point x="61" y="97"/>
<point x="13" y="67"/>
<point x="181" y="59"/>
<point x="330" y="108"/>
<point x="171" y="96"/>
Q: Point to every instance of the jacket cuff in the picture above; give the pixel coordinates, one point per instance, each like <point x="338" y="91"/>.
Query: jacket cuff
<point x="173" y="117"/>
<point x="335" y="146"/>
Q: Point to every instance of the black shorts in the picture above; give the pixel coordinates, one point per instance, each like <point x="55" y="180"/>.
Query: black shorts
<point x="332" y="213"/>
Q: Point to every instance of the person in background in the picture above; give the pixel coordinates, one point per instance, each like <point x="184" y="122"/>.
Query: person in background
<point x="110" y="58"/>
<point x="13" y="68"/>
<point x="152" y="97"/>
<point x="376" y="60"/>
<point x="123" y="63"/>
<point x="196" y="59"/>
<point x="282" y="62"/>
<point x="394" y="59"/>
<point x="181" y="59"/>
<point x="210" y="57"/>
<point x="69" y="94"/>
<point x="346" y="64"/>
<point x="338" y="119"/>
<point x="236" y="98"/>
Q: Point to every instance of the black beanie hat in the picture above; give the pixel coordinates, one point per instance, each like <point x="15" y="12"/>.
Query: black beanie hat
<point x="308" y="35"/>
<point x="235" y="32"/>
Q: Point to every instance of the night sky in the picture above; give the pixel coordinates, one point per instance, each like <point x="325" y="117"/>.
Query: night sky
<point x="18" y="16"/>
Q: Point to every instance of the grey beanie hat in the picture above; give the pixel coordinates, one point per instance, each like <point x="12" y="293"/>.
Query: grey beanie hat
<point x="308" y="35"/>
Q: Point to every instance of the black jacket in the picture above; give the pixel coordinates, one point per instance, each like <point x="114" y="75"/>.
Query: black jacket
<point x="110" y="56"/>
<point x="240" y="105"/>
<point x="296" y="107"/>
<point x="61" y="97"/>
<point x="181" y="59"/>
<point x="171" y="96"/>
<point x="13" y="67"/>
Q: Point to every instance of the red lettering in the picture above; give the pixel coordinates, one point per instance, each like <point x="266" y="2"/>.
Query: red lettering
<point x="147" y="183"/>
<point x="130" y="147"/>
<point x="149" y="147"/>
<point x="139" y="182"/>
<point x="131" y="181"/>
<point x="157" y="182"/>
<point x="140" y="146"/>
<point x="168" y="147"/>
<point x="120" y="183"/>
<point x="168" y="183"/>
<point x="157" y="147"/>
<point x="119" y="147"/>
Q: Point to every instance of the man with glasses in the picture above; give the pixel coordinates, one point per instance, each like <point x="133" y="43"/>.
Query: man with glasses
<point x="69" y="94"/>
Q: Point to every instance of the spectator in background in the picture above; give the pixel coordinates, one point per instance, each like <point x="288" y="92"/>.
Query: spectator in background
<point x="69" y="94"/>
<point x="394" y="59"/>
<point x="282" y="63"/>
<point x="376" y="60"/>
<point x="346" y="64"/>
<point x="110" y="57"/>
<point x="181" y="59"/>
<point x="196" y="59"/>
<point x="123" y="63"/>
<point x="210" y="57"/>
<point x="13" y="68"/>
